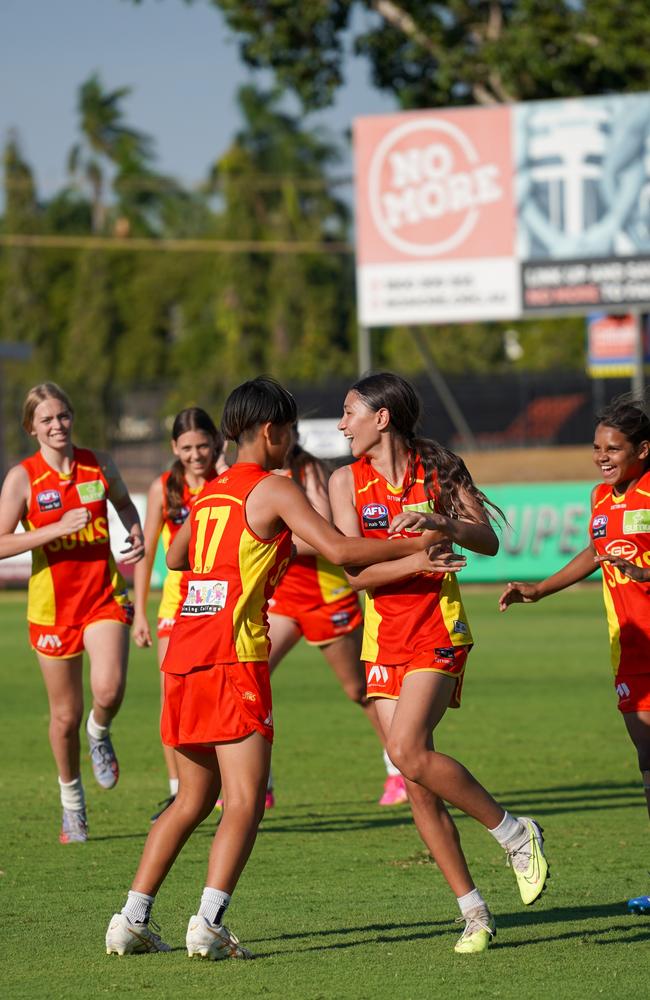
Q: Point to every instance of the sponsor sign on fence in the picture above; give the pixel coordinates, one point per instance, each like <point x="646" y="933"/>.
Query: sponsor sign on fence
<point x="502" y="212"/>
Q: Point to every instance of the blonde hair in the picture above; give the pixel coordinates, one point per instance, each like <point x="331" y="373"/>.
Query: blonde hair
<point x="37" y="394"/>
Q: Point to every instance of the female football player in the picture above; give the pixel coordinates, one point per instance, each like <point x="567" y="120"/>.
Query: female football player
<point x="416" y="633"/>
<point x="77" y="599"/>
<point x="620" y="543"/>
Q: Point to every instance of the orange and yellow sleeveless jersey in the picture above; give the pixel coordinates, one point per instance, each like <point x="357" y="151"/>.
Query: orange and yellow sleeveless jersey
<point x="173" y="590"/>
<point x="232" y="576"/>
<point x="74" y="577"/>
<point x="310" y="582"/>
<point x="412" y="617"/>
<point x="620" y="526"/>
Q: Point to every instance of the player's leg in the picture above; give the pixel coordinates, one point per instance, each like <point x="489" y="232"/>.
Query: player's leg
<point x="440" y="835"/>
<point x="424" y="697"/>
<point x="638" y="726"/>
<point x="63" y="683"/>
<point x="107" y="645"/>
<point x="244" y="768"/>
<point x="344" y="657"/>
<point x="199" y="784"/>
<point x="168" y="752"/>
<point x="284" y="633"/>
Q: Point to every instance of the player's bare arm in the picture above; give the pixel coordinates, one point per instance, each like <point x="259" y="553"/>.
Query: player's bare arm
<point x="276" y="501"/>
<point x="13" y="506"/>
<point x="125" y="509"/>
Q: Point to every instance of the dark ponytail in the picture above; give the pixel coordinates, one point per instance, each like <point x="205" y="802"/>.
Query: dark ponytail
<point x="191" y="419"/>
<point x="298" y="461"/>
<point x="446" y="477"/>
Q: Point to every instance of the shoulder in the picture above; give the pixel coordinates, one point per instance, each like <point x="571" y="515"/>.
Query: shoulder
<point x="342" y="481"/>
<point x="598" y="493"/>
<point x="18" y="479"/>
<point x="157" y="487"/>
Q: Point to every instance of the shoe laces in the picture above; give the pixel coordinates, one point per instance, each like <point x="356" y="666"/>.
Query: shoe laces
<point x="476" y="920"/>
<point x="154" y="930"/>
<point x="520" y="857"/>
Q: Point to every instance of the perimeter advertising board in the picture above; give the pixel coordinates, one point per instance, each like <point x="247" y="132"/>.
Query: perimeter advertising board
<point x="503" y="212"/>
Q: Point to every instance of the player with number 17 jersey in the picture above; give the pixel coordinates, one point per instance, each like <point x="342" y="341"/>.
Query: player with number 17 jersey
<point x="218" y="650"/>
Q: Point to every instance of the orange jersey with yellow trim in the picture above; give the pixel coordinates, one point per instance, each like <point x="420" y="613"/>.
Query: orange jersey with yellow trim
<point x="73" y="577"/>
<point x="412" y="616"/>
<point x="173" y="589"/>
<point x="234" y="573"/>
<point x="620" y="526"/>
<point x="310" y="582"/>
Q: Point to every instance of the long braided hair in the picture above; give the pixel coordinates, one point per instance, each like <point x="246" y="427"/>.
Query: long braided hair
<point x="446" y="477"/>
<point x="191" y="419"/>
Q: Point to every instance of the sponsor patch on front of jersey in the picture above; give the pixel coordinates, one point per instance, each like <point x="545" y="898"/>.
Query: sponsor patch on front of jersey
<point x="599" y="526"/>
<point x="49" y="500"/>
<point x="205" y="597"/>
<point x="460" y="627"/>
<point x="375" y="516"/>
<point x="636" y="521"/>
<point x="91" y="492"/>
<point x="622" y="548"/>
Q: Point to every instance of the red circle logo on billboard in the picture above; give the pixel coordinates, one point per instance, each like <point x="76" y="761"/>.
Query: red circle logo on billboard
<point x="622" y="548"/>
<point x="427" y="186"/>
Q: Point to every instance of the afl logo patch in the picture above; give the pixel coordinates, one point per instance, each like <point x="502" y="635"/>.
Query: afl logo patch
<point x="49" y="500"/>
<point x="622" y="548"/>
<point x="375" y="516"/>
<point x="599" y="526"/>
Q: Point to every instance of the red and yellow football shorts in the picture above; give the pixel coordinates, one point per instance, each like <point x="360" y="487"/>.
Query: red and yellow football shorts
<point x="61" y="642"/>
<point x="218" y="704"/>
<point x="164" y="628"/>
<point x="633" y="692"/>
<point x="386" y="681"/>
<point x="322" y="624"/>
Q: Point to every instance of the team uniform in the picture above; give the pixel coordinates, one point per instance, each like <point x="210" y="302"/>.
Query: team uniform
<point x="217" y="685"/>
<point x="413" y="625"/>
<point x="316" y="596"/>
<point x="74" y="580"/>
<point x="620" y="526"/>
<point x="173" y="590"/>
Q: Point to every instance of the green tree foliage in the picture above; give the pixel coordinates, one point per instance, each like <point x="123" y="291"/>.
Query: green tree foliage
<point x="433" y="54"/>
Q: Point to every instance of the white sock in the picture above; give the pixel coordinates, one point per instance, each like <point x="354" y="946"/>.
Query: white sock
<point x="391" y="770"/>
<point x="470" y="901"/>
<point x="508" y="830"/>
<point x="72" y="794"/>
<point x="214" y="904"/>
<point x="96" y="731"/>
<point x="173" y="786"/>
<point x="138" y="907"/>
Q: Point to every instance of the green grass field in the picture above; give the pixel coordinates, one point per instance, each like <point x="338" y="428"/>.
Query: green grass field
<point x="339" y="899"/>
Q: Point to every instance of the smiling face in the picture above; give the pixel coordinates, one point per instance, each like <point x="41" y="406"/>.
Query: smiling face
<point x="362" y="426"/>
<point x="52" y="424"/>
<point x="619" y="460"/>
<point x="195" y="450"/>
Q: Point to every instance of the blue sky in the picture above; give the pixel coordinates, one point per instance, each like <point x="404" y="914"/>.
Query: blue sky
<point x="181" y="62"/>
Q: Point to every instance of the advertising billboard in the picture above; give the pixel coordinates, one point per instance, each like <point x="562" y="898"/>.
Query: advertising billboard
<point x="503" y="212"/>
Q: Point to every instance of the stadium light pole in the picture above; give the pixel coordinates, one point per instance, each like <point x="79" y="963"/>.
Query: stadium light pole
<point x="364" y="350"/>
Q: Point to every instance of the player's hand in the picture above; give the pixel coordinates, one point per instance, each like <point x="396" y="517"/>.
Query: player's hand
<point x="140" y="632"/>
<point x="440" y="558"/>
<point x="518" y="593"/>
<point x="73" y="520"/>
<point x="134" y="551"/>
<point x="627" y="568"/>
<point x="418" y="521"/>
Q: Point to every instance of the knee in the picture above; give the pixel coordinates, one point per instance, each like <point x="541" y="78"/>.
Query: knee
<point x="66" y="719"/>
<point x="246" y="806"/>
<point x="108" y="695"/>
<point x="356" y="692"/>
<point x="405" y="757"/>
